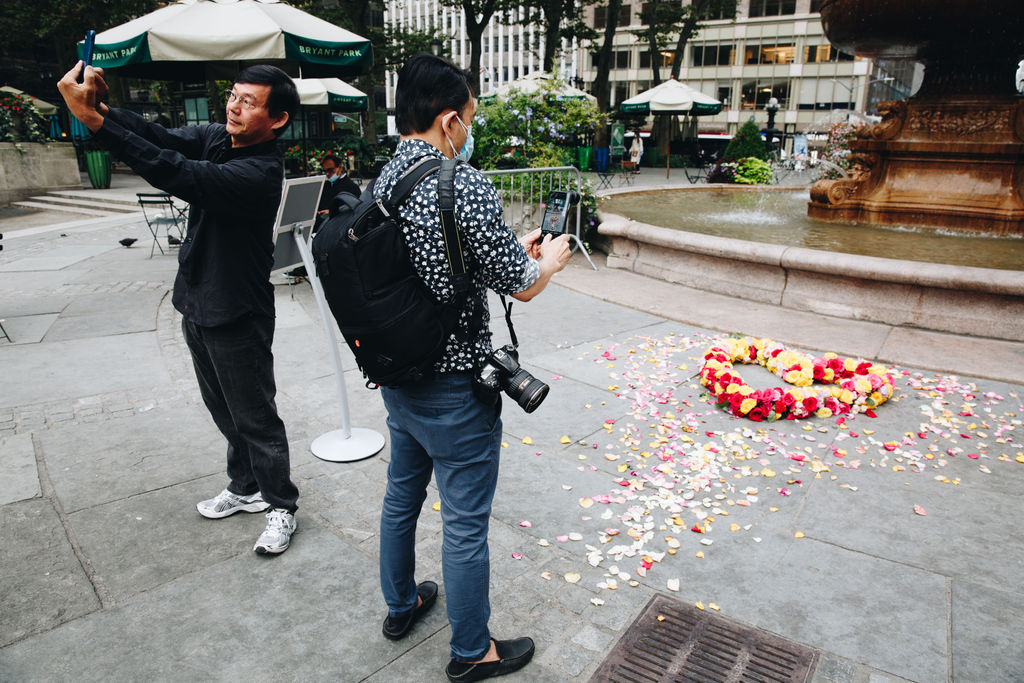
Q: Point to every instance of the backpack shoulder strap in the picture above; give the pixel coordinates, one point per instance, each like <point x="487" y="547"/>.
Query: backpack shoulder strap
<point x="409" y="180"/>
<point x="449" y="227"/>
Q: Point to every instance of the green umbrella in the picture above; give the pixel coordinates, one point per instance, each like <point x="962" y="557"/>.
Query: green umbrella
<point x="193" y="39"/>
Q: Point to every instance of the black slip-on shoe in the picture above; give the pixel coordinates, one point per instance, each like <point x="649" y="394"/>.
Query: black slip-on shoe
<point x="396" y="628"/>
<point x="512" y="655"/>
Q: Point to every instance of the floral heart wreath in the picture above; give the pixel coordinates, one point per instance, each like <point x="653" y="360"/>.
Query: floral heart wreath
<point x="851" y="386"/>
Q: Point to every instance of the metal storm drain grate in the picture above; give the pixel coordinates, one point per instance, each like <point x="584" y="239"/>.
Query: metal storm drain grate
<point x="673" y="641"/>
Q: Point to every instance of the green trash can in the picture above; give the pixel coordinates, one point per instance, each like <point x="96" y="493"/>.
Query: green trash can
<point x="583" y="156"/>
<point x="97" y="163"/>
<point x="651" y="156"/>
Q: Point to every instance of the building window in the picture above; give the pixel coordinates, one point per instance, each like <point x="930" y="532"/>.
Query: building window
<point x="667" y="59"/>
<point x="771" y="8"/>
<point x="756" y="93"/>
<point x="621" y="59"/>
<point x="712" y="55"/>
<point x="601" y="16"/>
<point x="724" y="94"/>
<point x="825" y="53"/>
<point x="712" y="13"/>
<point x="816" y="5"/>
<point x="621" y="91"/>
<point x="770" y="54"/>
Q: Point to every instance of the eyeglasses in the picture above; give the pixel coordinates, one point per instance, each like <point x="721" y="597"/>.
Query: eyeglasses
<point x="245" y="100"/>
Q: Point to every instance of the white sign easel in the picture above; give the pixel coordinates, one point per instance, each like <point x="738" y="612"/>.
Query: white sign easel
<point x="348" y="443"/>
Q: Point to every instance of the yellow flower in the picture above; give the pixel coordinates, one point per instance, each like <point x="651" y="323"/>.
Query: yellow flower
<point x="862" y="385"/>
<point x="747" y="405"/>
<point x="850" y="364"/>
<point x="847" y="396"/>
<point x="797" y="394"/>
<point x="829" y="375"/>
<point x="831" y="355"/>
<point x="877" y="398"/>
<point x="823" y="412"/>
<point x="732" y="388"/>
<point x="746" y="390"/>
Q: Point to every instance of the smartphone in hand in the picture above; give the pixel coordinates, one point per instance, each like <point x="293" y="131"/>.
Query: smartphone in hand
<point x="557" y="212"/>
<point x="87" y="48"/>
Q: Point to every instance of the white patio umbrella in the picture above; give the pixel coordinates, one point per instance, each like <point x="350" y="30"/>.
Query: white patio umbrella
<point x="537" y="81"/>
<point x="672" y="98"/>
<point x="332" y="92"/>
<point x="190" y="39"/>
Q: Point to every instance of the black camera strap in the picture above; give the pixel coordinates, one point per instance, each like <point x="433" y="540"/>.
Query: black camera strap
<point x="507" y="305"/>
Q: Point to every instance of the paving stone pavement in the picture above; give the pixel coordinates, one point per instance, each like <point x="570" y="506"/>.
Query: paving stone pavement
<point x="110" y="575"/>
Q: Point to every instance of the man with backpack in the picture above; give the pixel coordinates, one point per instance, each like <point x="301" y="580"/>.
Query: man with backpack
<point x="440" y="424"/>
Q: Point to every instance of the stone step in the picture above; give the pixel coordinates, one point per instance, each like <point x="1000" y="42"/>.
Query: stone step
<point x="48" y="206"/>
<point x="112" y="198"/>
<point x="100" y="204"/>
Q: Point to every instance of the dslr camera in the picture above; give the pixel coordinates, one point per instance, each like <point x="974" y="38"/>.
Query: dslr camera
<point x="502" y="372"/>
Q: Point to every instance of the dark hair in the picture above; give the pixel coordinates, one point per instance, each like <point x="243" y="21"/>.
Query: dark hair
<point x="283" y="95"/>
<point x="428" y="85"/>
<point x="331" y="157"/>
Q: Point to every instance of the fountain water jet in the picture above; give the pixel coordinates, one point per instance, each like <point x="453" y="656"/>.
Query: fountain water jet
<point x="952" y="155"/>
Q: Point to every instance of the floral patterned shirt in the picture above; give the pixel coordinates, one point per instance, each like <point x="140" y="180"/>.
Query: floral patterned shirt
<point x="494" y="257"/>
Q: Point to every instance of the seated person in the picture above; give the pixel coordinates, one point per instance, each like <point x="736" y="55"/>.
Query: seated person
<point x="337" y="182"/>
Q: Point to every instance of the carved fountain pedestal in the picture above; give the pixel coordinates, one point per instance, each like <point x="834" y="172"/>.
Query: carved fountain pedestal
<point x="952" y="155"/>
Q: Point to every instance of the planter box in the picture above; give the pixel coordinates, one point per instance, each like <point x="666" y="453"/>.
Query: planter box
<point x="37" y="170"/>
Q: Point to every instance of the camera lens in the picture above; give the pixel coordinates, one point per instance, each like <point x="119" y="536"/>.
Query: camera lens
<point x="528" y="391"/>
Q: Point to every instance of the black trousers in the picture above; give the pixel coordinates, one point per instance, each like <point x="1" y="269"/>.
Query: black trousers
<point x="235" y="368"/>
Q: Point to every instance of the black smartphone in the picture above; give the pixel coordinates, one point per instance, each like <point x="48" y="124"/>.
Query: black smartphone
<point x="557" y="212"/>
<point x="88" y="44"/>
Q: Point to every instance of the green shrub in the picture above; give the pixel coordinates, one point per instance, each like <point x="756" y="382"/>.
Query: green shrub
<point x="746" y="143"/>
<point x="752" y="171"/>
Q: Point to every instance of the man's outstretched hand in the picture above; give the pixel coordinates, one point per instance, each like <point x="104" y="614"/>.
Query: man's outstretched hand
<point x="85" y="99"/>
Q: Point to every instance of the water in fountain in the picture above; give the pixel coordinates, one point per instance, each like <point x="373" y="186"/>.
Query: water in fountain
<point x="779" y="217"/>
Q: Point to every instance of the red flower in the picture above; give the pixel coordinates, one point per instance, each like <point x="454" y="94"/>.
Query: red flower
<point x="810" y="404"/>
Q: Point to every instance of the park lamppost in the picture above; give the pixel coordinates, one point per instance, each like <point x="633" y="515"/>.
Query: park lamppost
<point x="771" y="108"/>
<point x="435" y="47"/>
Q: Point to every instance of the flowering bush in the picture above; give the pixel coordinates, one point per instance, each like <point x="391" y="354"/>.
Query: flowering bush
<point x="753" y="171"/>
<point x="531" y="130"/>
<point x="20" y="120"/>
<point x="852" y="386"/>
<point x="837" y="148"/>
<point x="313" y="161"/>
<point x="748" y="171"/>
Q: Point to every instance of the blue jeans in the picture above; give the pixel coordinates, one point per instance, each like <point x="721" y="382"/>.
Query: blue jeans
<point x="235" y="368"/>
<point x="440" y="426"/>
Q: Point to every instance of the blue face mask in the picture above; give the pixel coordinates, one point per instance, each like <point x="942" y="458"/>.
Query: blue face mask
<point x="332" y="178"/>
<point x="466" y="152"/>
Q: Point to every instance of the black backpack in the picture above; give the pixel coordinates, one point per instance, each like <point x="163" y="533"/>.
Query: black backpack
<point x="393" y="323"/>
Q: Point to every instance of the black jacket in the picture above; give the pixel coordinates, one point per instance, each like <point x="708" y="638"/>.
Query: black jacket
<point x="342" y="184"/>
<point x="224" y="263"/>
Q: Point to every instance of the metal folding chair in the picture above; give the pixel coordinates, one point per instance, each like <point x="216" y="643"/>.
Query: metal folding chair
<point x="160" y="213"/>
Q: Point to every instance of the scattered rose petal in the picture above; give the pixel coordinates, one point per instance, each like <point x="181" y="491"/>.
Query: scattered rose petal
<point x="517" y="556"/>
<point x="527" y="440"/>
<point x="672" y="585"/>
<point x="525" y="524"/>
<point x="918" y="510"/>
<point x="436" y="507"/>
<point x="572" y="577"/>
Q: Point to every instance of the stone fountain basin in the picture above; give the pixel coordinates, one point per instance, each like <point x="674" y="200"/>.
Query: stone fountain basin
<point x="965" y="300"/>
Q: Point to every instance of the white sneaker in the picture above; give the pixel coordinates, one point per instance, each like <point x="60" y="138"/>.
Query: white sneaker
<point x="227" y="503"/>
<point x="278" y="534"/>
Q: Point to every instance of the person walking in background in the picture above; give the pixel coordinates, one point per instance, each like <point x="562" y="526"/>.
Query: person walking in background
<point x="231" y="175"/>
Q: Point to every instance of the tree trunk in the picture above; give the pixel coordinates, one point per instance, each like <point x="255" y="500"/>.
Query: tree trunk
<point x="552" y="37"/>
<point x="604" y="65"/>
<point x="474" y="32"/>
<point x="366" y="84"/>
<point x="686" y="32"/>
